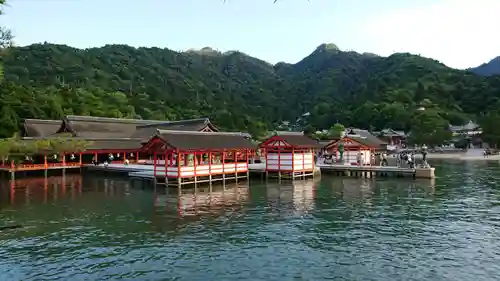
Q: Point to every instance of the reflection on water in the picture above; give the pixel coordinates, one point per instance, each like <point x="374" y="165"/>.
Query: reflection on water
<point x="201" y="200"/>
<point x="295" y="196"/>
<point x="98" y="228"/>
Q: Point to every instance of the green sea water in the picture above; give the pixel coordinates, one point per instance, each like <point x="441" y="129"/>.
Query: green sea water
<point x="107" y="228"/>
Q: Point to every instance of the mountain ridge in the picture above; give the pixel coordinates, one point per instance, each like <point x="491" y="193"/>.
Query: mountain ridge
<point x="238" y="91"/>
<point x="487" y="69"/>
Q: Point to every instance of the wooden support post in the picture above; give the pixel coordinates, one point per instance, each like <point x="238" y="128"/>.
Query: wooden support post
<point x="45" y="165"/>
<point x="154" y="165"/>
<point x="210" y="167"/>
<point x="195" y="159"/>
<point x="179" y="171"/>
<point x="80" y="160"/>
<point x="235" y="165"/>
<point x="167" y="163"/>
<point x="223" y="167"/>
<point x="266" y="158"/>
<point x="279" y="163"/>
<point x="246" y="161"/>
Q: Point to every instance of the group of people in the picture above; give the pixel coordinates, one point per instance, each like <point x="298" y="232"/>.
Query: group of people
<point x="405" y="157"/>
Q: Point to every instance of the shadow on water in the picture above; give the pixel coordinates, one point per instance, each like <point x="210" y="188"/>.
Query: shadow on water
<point x="107" y="228"/>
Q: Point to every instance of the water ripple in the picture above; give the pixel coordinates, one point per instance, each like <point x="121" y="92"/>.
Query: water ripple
<point x="337" y="229"/>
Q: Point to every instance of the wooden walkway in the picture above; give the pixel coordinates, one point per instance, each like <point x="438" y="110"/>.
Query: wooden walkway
<point x="368" y="171"/>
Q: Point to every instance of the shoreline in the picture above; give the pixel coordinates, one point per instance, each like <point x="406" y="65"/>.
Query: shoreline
<point x="459" y="156"/>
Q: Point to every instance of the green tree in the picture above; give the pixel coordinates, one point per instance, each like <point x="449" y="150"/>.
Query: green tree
<point x="491" y="129"/>
<point x="336" y="130"/>
<point x="5" y="41"/>
<point x="429" y="128"/>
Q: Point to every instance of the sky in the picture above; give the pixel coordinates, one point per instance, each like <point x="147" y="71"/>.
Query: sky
<point x="459" y="33"/>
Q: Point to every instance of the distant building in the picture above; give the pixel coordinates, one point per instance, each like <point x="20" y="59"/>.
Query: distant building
<point x="468" y="130"/>
<point x="393" y="138"/>
<point x="366" y="137"/>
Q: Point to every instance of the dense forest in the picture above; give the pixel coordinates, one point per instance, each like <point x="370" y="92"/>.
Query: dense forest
<point x="240" y="92"/>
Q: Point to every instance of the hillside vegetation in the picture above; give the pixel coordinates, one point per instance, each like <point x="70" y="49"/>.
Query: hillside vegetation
<point x="236" y="90"/>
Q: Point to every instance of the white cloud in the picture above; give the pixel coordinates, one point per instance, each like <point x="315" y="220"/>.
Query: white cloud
<point x="459" y="33"/>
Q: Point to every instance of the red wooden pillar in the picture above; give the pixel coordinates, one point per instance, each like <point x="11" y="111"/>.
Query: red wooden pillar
<point x="154" y="164"/>
<point x="166" y="163"/>
<point x="293" y="160"/>
<point x="79" y="162"/>
<point x="45" y="164"/>
<point x="304" y="157"/>
<point x="222" y="161"/>
<point x="265" y="158"/>
<point x="246" y="158"/>
<point x="179" y="156"/>
<point x="235" y="161"/>
<point x="279" y="159"/>
<point x="210" y="162"/>
<point x="64" y="159"/>
<point x="195" y="159"/>
<point x="95" y="157"/>
<point x="137" y="157"/>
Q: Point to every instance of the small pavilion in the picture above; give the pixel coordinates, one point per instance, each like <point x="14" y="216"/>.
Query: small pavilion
<point x="348" y="150"/>
<point x="289" y="155"/>
<point x="182" y="157"/>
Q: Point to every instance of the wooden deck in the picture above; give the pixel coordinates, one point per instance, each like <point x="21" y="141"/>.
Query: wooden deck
<point x="368" y="171"/>
<point x="39" y="167"/>
<point x="147" y="172"/>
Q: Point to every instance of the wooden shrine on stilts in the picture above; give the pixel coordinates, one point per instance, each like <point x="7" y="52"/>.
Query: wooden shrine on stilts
<point x="182" y="157"/>
<point x="289" y="155"/>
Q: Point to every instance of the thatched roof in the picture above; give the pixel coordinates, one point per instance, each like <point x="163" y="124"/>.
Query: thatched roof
<point x="39" y="127"/>
<point x="102" y="127"/>
<point x="186" y="140"/>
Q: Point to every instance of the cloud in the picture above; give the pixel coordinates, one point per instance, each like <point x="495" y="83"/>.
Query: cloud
<point x="459" y="33"/>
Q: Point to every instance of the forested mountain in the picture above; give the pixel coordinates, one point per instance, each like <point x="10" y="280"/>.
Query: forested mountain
<point x="488" y="69"/>
<point x="236" y="90"/>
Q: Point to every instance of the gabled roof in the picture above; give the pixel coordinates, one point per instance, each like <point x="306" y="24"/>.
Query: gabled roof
<point x="149" y="130"/>
<point x="40" y="128"/>
<point x="392" y="133"/>
<point x="293" y="139"/>
<point x="189" y="140"/>
<point x="102" y="127"/>
<point x="470" y="126"/>
<point x="364" y="134"/>
<point x="353" y="142"/>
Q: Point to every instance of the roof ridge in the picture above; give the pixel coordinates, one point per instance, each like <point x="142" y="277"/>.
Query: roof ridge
<point x="79" y="138"/>
<point x="161" y="132"/>
<point x="187" y="121"/>
<point x="127" y="120"/>
<point x="41" y="120"/>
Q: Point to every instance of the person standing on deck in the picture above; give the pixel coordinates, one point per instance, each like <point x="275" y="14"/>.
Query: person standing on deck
<point x="358" y="158"/>
<point x="384" y="159"/>
<point x="411" y="160"/>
